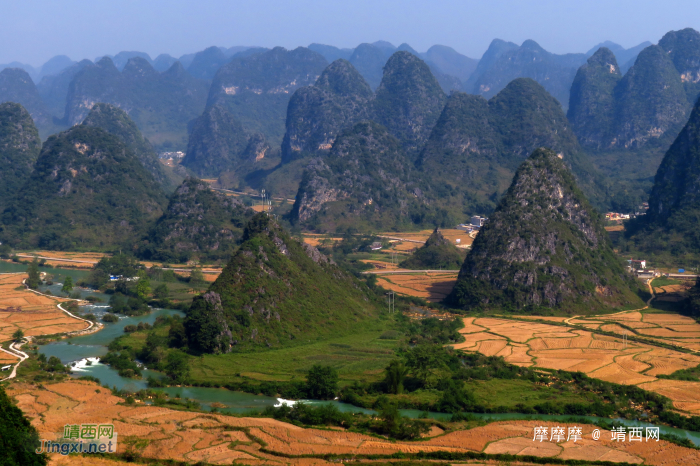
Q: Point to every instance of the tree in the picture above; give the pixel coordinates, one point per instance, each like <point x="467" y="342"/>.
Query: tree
<point x="67" y="285"/>
<point x="143" y="288"/>
<point x="177" y="336"/>
<point x="423" y="358"/>
<point x="395" y="375"/>
<point x="18" y="438"/>
<point x="197" y="277"/>
<point x="18" y="335"/>
<point x="177" y="367"/>
<point x="322" y="382"/>
<point x="33" y="278"/>
<point x="161" y="291"/>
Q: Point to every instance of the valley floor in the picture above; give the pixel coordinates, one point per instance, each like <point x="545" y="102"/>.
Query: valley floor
<point x="167" y="434"/>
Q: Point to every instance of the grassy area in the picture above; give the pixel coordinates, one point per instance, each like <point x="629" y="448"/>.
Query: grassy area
<point x="357" y="357"/>
<point x="661" y="281"/>
<point x="510" y="392"/>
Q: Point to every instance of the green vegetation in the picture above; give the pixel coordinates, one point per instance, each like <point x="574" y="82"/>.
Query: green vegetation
<point x="409" y="100"/>
<point x="117" y="122"/>
<point x="276" y="292"/>
<point x="199" y="224"/>
<point x="161" y="104"/>
<point x="263" y="84"/>
<point x="20" y="144"/>
<point x="18" y="438"/>
<point x="317" y="114"/>
<point x="18" y="335"/>
<point x="67" y="285"/>
<point x="436" y="253"/>
<point x="550" y="252"/>
<point x="33" y="274"/>
<point x="669" y="228"/>
<point x="77" y="199"/>
<point x="366" y="183"/>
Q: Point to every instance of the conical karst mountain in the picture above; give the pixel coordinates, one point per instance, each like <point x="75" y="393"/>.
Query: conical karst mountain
<point x="369" y="60"/>
<point x="544" y="247"/>
<point x="591" y="104"/>
<point x="276" y="292"/>
<point x="365" y="182"/>
<point x="17" y="86"/>
<point x="317" y="114"/>
<point x="19" y="148"/>
<point x="650" y="100"/>
<point x="436" y="253"/>
<point x="256" y="89"/>
<point x="87" y="190"/>
<point x="199" y="223"/>
<point x="54" y="88"/>
<point x="477" y="145"/>
<point x="409" y="100"/>
<point x="219" y="143"/>
<point x="117" y="122"/>
<point x="670" y="225"/>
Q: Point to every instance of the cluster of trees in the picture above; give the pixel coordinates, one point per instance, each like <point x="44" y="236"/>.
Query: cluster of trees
<point x="18" y="438"/>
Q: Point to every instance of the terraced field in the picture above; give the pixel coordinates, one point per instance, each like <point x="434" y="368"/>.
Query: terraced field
<point x="432" y="287"/>
<point x="166" y="434"/>
<point x="33" y="314"/>
<point x="604" y="357"/>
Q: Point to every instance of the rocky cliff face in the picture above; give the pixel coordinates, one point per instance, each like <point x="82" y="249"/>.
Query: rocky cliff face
<point x="17" y="86"/>
<point x="317" y="114"/>
<point x="161" y="104"/>
<point x="19" y="149"/>
<point x="409" y="100"/>
<point x="199" y="223"/>
<point x="87" y="190"/>
<point x="477" y="145"/>
<point x="366" y="180"/>
<point x="591" y="104"/>
<point x="256" y="89"/>
<point x="274" y="292"/>
<point x="543" y="248"/>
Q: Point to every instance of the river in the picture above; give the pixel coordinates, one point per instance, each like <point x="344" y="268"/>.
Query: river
<point x="79" y="349"/>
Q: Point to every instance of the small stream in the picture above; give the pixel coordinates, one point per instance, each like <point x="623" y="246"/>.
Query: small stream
<point x="79" y="349"/>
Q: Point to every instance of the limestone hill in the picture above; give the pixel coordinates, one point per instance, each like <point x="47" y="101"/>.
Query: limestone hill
<point x="87" y="190"/>
<point x="476" y="146"/>
<point x="543" y="249"/>
<point x="117" y="122"/>
<point x="367" y="182"/>
<point x="19" y="149"/>
<point x="276" y="292"/>
<point x="199" y="223"/>
<point x="436" y="253"/>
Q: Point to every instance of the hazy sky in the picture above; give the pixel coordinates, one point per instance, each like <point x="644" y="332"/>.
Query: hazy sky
<point x="32" y="31"/>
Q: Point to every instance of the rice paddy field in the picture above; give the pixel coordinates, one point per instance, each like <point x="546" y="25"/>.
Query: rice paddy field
<point x="32" y="313"/>
<point x="431" y="286"/>
<point x="613" y="359"/>
<point x="166" y="434"/>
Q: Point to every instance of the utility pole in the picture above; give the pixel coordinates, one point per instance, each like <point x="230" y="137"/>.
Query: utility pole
<point x="392" y="302"/>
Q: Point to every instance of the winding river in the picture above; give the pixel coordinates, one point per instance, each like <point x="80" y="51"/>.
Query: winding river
<point x="78" y="350"/>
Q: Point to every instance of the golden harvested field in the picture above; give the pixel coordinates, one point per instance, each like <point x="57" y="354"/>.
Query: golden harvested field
<point x="34" y="314"/>
<point x="603" y="357"/>
<point x="429" y="286"/>
<point x="166" y="434"/>
<point x="450" y="233"/>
